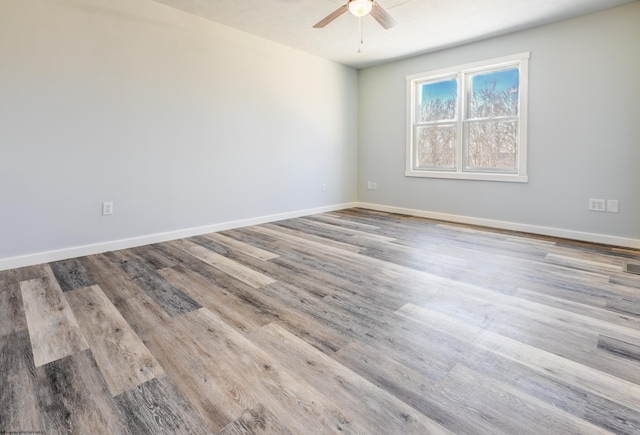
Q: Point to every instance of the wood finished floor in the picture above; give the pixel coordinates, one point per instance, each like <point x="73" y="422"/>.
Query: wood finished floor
<point x="352" y="322"/>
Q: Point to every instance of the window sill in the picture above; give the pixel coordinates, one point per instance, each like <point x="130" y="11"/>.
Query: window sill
<point x="511" y="178"/>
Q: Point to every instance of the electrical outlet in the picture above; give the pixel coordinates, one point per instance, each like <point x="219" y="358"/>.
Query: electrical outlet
<point x="612" y="205"/>
<point x="323" y="187"/>
<point x="371" y="185"/>
<point x="597" y="204"/>
<point x="107" y="208"/>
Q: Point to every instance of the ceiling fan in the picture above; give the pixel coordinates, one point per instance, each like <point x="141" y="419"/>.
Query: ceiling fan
<point x="360" y="8"/>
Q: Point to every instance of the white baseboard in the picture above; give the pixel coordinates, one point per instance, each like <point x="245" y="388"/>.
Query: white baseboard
<point x="535" y="229"/>
<point x="98" y="248"/>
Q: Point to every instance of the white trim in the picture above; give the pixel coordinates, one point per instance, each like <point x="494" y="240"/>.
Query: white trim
<point x="513" y="226"/>
<point x="98" y="248"/>
<point x="490" y="176"/>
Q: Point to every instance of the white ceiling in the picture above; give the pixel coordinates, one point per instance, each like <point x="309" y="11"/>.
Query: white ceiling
<point x="422" y="25"/>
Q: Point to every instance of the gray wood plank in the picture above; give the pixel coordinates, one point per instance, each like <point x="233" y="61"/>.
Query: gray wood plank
<point x="620" y="348"/>
<point x="71" y="274"/>
<point x="173" y="300"/>
<point x="19" y="412"/>
<point x="73" y="397"/>
<point x="12" y="317"/>
<point x="157" y="407"/>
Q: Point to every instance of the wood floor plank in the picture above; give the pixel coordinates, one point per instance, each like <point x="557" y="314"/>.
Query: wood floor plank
<point x="601" y="383"/>
<point x="562" y="332"/>
<point x="12" y="317"/>
<point x="374" y="408"/>
<point x="246" y="248"/>
<point x="585" y="309"/>
<point x="234" y="310"/>
<point x="621" y="348"/>
<point x="71" y="274"/>
<point x="186" y="361"/>
<point x="53" y="329"/>
<point x="19" y="411"/>
<point x="170" y="298"/>
<point x="157" y="407"/>
<point x="73" y="397"/>
<point x="258" y="421"/>
<point x="243" y="273"/>
<point x="284" y="394"/>
<point x="563" y="395"/>
<point x="333" y="228"/>
<point x="346" y="223"/>
<point x="300" y="239"/>
<point x="465" y="389"/>
<point x="124" y="361"/>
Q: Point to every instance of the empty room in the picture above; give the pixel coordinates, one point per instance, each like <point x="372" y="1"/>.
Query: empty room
<point x="319" y="216"/>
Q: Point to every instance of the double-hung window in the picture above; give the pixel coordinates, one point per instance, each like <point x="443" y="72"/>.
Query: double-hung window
<point x="470" y="121"/>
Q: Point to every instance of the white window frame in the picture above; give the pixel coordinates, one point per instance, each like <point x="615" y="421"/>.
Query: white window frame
<point x="462" y="72"/>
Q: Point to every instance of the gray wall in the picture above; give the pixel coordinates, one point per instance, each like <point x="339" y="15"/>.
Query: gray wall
<point x="179" y="121"/>
<point x="584" y="131"/>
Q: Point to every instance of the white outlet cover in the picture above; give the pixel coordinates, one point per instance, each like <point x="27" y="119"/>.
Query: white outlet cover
<point x="597" y="204"/>
<point x="612" y="205"/>
<point x="107" y="208"/>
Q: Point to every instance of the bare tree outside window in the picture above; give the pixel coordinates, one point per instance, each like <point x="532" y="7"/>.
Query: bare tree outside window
<point x="437" y="133"/>
<point x="491" y="127"/>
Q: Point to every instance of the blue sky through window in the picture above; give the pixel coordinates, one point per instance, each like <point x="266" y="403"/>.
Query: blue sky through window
<point x="446" y="90"/>
<point x="505" y="80"/>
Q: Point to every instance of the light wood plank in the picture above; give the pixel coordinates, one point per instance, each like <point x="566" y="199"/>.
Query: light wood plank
<point x="258" y="381"/>
<point x="243" y="247"/>
<point x="234" y="310"/>
<point x="509" y="411"/>
<point x="369" y="405"/>
<point x="53" y="329"/>
<point x="601" y="383"/>
<point x="125" y="362"/>
<point x="333" y="228"/>
<point x="237" y="270"/>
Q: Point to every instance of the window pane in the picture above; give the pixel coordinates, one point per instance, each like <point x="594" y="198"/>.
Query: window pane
<point x="492" y="145"/>
<point x="436" y="147"/>
<point x="494" y="94"/>
<point x="437" y="101"/>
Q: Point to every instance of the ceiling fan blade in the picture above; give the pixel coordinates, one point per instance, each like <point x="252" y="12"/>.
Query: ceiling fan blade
<point x="332" y="16"/>
<point x="382" y="17"/>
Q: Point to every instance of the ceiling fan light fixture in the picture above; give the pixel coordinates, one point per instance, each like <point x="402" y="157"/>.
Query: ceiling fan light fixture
<point x="360" y="8"/>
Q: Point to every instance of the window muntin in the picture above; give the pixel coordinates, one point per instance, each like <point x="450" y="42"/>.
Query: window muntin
<point x="469" y="122"/>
